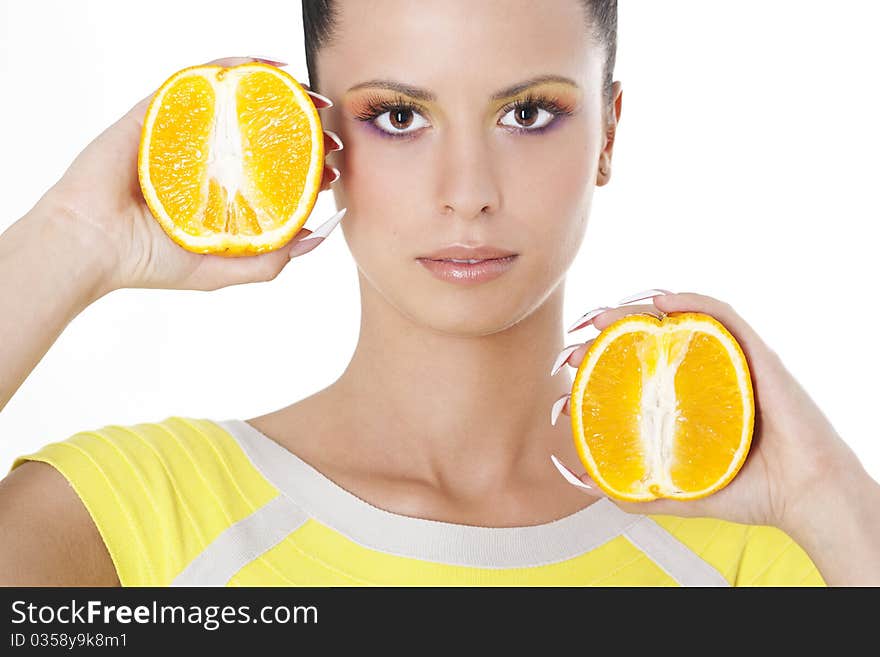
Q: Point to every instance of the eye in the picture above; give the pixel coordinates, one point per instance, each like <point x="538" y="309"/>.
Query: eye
<point x="528" y="117"/>
<point x="399" y="121"/>
<point x="535" y="112"/>
<point x="400" y="118"/>
<point x="392" y="118"/>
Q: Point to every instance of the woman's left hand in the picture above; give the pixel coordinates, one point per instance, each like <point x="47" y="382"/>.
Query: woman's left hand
<point x="795" y="454"/>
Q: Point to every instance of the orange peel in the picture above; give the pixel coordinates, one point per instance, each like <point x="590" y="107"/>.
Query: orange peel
<point x="231" y="159"/>
<point x="663" y="408"/>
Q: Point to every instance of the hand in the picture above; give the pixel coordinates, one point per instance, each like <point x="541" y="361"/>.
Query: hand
<point x="99" y="195"/>
<point x="795" y="451"/>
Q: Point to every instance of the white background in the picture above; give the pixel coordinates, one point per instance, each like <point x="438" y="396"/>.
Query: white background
<point x="745" y="168"/>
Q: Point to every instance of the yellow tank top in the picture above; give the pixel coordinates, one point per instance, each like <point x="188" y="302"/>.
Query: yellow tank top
<point x="196" y="502"/>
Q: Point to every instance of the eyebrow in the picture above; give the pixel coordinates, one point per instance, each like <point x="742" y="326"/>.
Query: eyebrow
<point x="424" y="95"/>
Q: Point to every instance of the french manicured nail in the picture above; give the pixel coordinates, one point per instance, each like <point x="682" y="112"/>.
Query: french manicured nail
<point x="557" y="408"/>
<point x="324" y="229"/>
<point x="303" y="246"/>
<point x="569" y="476"/>
<point x="335" y="138"/>
<point x="336" y="175"/>
<point x="645" y="294"/>
<point x="274" y="62"/>
<point x="308" y="243"/>
<point x="587" y="318"/>
<point x="325" y="102"/>
<point x="562" y="357"/>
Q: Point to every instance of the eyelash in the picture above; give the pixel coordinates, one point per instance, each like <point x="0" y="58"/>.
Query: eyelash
<point x="376" y="106"/>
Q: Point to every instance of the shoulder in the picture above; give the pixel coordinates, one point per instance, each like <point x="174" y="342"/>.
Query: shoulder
<point x="49" y="538"/>
<point x="745" y="555"/>
<point x="156" y="493"/>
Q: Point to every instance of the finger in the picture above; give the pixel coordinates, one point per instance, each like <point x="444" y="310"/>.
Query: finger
<point x="330" y="176"/>
<point x="572" y="355"/>
<point x="216" y="271"/>
<point x="139" y="109"/>
<point x="273" y="62"/>
<point x="606" y="318"/>
<point x="616" y="312"/>
<point x="559" y="406"/>
<point x="588" y="481"/>
<point x="335" y="141"/>
<point x="321" y="102"/>
<point x="662" y="506"/>
<point x="234" y="61"/>
<point x="222" y="271"/>
<point x="311" y="239"/>
<point x="751" y="343"/>
<point x="583" y="481"/>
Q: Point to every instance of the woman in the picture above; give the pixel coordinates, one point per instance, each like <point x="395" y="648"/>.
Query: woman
<point x="434" y="473"/>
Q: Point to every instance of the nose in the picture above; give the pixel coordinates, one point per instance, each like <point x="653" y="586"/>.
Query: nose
<point x="468" y="187"/>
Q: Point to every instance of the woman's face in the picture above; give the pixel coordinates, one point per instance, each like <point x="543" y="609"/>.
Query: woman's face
<point x="452" y="159"/>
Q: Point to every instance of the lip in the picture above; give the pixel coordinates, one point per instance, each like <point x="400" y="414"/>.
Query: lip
<point x="466" y="273"/>
<point x="462" y="252"/>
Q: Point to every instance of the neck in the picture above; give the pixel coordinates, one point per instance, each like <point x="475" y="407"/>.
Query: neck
<point x="465" y="413"/>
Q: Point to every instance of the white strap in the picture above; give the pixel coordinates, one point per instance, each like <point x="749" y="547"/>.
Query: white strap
<point x="680" y="562"/>
<point x="320" y="498"/>
<point x="242" y="542"/>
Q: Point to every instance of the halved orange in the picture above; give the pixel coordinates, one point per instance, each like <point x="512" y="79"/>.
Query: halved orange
<point x="663" y="408"/>
<point x="231" y="158"/>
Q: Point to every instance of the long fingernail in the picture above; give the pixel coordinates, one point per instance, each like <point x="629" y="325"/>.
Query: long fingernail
<point x="587" y="318"/>
<point x="303" y="246"/>
<point x="557" y="408"/>
<point x="324" y="100"/>
<point x="569" y="476"/>
<point x="562" y="357"/>
<point x="336" y="175"/>
<point x="335" y="138"/>
<point x="645" y="294"/>
<point x="308" y="243"/>
<point x="274" y="62"/>
<point x="324" y="229"/>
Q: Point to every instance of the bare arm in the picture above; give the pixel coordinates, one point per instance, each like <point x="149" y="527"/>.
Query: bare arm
<point x="91" y="233"/>
<point x="838" y="524"/>
<point x="800" y="475"/>
<point x="49" y="538"/>
<point x="49" y="272"/>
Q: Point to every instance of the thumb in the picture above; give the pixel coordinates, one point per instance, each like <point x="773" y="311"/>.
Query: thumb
<point x="216" y="271"/>
<point x="655" y="507"/>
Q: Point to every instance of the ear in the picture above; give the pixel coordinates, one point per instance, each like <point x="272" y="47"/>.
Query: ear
<point x="604" y="173"/>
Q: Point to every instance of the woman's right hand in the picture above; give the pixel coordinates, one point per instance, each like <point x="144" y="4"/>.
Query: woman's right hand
<point x="99" y="197"/>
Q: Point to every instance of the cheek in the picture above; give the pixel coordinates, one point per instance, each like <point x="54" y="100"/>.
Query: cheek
<point x="377" y="173"/>
<point x="545" y="182"/>
<point x="548" y="184"/>
<point x="386" y="192"/>
<point x="550" y="170"/>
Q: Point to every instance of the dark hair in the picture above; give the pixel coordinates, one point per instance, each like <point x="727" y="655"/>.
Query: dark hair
<point x="319" y="19"/>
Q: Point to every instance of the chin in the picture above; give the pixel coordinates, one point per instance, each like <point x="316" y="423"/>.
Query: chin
<point x="453" y="314"/>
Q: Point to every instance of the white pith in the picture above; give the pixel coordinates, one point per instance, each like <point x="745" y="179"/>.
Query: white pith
<point x="659" y="413"/>
<point x="225" y="159"/>
<point x="225" y="156"/>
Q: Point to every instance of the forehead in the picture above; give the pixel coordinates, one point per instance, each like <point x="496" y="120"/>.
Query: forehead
<point x="458" y="41"/>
